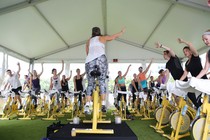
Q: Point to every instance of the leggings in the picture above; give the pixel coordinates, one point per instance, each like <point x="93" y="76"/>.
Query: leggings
<point x="17" y="90"/>
<point x="103" y="66"/>
<point x="119" y="97"/>
<point x="197" y="102"/>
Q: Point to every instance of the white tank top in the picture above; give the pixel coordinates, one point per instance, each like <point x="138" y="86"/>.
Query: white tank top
<point x="56" y="83"/>
<point x="14" y="81"/>
<point x="96" y="49"/>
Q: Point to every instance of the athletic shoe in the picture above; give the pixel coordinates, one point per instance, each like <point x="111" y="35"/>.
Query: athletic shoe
<point x="20" y="107"/>
<point x="103" y="108"/>
<point x="87" y="110"/>
<point x="80" y="107"/>
<point x="133" y="106"/>
<point x="129" y="117"/>
<point x="58" y="110"/>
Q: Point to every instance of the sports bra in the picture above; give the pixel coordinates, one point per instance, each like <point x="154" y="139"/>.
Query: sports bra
<point x="121" y="81"/>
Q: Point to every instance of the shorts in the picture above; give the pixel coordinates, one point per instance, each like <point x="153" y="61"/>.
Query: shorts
<point x="17" y="90"/>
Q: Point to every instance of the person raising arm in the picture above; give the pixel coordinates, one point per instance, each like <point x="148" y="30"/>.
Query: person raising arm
<point x="95" y="50"/>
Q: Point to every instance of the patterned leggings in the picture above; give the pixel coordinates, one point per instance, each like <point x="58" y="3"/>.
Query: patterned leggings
<point x="103" y="67"/>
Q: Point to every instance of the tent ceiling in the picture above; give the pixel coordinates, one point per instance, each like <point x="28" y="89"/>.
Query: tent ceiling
<point x="7" y="3"/>
<point x="137" y="55"/>
<point x="55" y="29"/>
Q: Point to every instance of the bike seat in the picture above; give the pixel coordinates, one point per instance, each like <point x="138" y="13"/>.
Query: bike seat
<point x="95" y="72"/>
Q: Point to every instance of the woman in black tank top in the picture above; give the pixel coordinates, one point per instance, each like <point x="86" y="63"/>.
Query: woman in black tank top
<point x="35" y="83"/>
<point x="65" y="86"/>
<point x="64" y="82"/>
<point x="135" y="87"/>
<point x="78" y="83"/>
<point x="79" y="86"/>
<point x="151" y="83"/>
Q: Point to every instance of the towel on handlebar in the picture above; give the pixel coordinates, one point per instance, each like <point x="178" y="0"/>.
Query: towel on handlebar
<point x="201" y="85"/>
<point x="171" y="88"/>
<point x="186" y="86"/>
<point x="143" y="96"/>
<point x="122" y="92"/>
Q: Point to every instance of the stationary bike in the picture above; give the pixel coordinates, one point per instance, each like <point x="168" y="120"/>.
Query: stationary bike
<point x="200" y="127"/>
<point x="28" y="107"/>
<point x="96" y="105"/>
<point x="145" y="105"/>
<point x="53" y="112"/>
<point x="162" y="113"/>
<point x="42" y="107"/>
<point x="180" y="120"/>
<point x="76" y="108"/>
<point x="122" y="105"/>
<point x="10" y="108"/>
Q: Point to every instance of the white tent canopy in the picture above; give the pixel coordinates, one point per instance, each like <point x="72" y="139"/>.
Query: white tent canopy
<point x="51" y="30"/>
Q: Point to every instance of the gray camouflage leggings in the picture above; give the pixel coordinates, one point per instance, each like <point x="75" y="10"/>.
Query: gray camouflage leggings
<point x="103" y="66"/>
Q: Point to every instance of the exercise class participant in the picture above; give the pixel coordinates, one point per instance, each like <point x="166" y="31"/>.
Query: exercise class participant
<point x="194" y="66"/>
<point x="121" y="84"/>
<point x="55" y="83"/>
<point x="173" y="64"/>
<point x="15" y="84"/>
<point x="35" y="83"/>
<point x="26" y="83"/>
<point x="95" y="50"/>
<point x="136" y="87"/>
<point x="65" y="86"/>
<point x="206" y="40"/>
<point x="78" y="86"/>
<point x="142" y="77"/>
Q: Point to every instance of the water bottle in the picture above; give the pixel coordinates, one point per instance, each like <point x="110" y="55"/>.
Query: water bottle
<point x="185" y="97"/>
<point x="184" y="110"/>
<point x="119" y="102"/>
<point x="197" y="113"/>
<point x="33" y="102"/>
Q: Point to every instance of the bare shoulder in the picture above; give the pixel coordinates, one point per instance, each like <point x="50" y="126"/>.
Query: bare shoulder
<point x="103" y="39"/>
<point x="88" y="41"/>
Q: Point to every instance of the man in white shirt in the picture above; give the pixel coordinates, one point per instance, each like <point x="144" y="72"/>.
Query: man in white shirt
<point x="15" y="84"/>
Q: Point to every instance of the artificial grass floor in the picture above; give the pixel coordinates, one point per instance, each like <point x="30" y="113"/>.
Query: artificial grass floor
<point x="36" y="129"/>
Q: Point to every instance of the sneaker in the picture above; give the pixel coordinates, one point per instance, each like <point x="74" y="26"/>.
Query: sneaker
<point x="20" y="107"/>
<point x="103" y="108"/>
<point x="87" y="110"/>
<point x="80" y="107"/>
<point x="133" y="106"/>
<point x="58" y="110"/>
<point x="129" y="117"/>
<point x="118" y="107"/>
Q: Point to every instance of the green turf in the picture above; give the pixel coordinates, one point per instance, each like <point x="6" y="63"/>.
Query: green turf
<point x="36" y="129"/>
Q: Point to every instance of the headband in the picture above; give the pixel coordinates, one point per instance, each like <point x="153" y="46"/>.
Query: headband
<point x="206" y="33"/>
